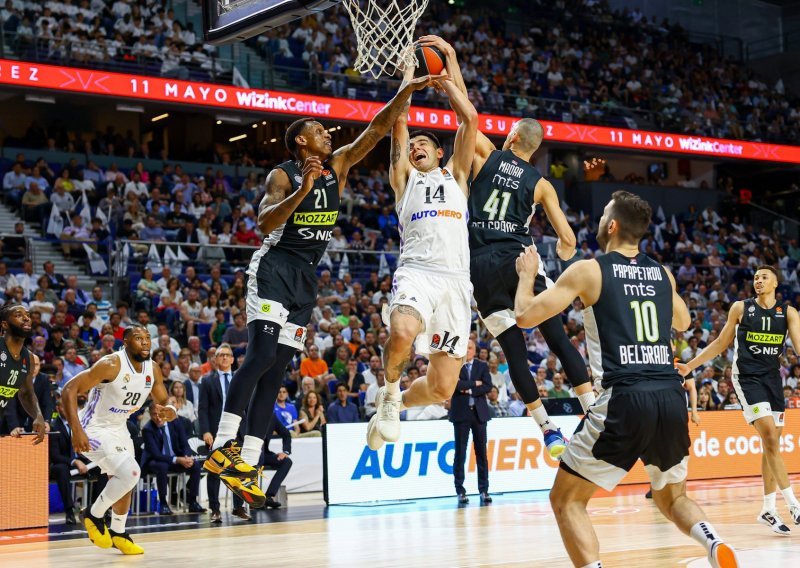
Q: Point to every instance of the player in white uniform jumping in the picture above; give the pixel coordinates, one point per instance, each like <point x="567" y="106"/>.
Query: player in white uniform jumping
<point x="120" y="384"/>
<point x="430" y="307"/>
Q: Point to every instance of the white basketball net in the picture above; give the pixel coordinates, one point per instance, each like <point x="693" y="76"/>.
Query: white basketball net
<point x="384" y="36"/>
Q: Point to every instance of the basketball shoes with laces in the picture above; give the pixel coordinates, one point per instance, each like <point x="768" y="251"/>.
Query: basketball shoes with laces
<point x="388" y="413"/>
<point x="374" y="439"/>
<point x="794" y="511"/>
<point x="96" y="529"/>
<point x="124" y="543"/>
<point x="772" y="520"/>
<point x="722" y="556"/>
<point x="555" y="442"/>
<point x="226" y="461"/>
<point x="247" y="489"/>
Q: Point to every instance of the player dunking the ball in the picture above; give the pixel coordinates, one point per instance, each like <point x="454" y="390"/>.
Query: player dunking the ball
<point x="120" y="384"/>
<point x="758" y="326"/>
<point x="430" y="306"/>
<point x="631" y="304"/>
<point x="17" y="367"/>
<point x="503" y="196"/>
<point x="298" y="214"/>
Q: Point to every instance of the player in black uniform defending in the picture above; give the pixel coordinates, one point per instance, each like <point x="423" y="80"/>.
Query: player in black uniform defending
<point x="631" y="304"/>
<point x="759" y="326"/>
<point x="297" y="214"/>
<point x="16" y="367"/>
<point x="502" y="198"/>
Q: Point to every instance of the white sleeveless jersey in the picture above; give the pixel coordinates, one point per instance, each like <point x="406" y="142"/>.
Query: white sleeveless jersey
<point x="433" y="219"/>
<point x="111" y="403"/>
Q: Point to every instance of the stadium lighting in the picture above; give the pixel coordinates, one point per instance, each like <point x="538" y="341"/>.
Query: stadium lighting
<point x="255" y="125"/>
<point x="130" y="108"/>
<point x="159" y="117"/>
<point x="227" y="118"/>
<point x="235" y="138"/>
<point x="274" y="140"/>
<point x="40" y="99"/>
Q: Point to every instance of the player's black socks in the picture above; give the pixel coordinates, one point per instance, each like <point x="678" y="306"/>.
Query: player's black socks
<point x="571" y="361"/>
<point x="260" y="357"/>
<point x="262" y="405"/>
<point x="512" y="341"/>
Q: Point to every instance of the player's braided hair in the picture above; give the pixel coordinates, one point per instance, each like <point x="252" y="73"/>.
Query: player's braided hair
<point x="5" y="311"/>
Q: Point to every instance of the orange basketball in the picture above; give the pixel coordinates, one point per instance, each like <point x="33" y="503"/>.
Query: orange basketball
<point x="431" y="61"/>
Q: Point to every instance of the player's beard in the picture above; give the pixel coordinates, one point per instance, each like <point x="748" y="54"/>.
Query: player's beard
<point x="139" y="357"/>
<point x="602" y="239"/>
<point x="18" y="331"/>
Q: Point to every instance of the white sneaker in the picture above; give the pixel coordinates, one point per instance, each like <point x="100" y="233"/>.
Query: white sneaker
<point x="772" y="520"/>
<point x="374" y="439"/>
<point x="722" y="556"/>
<point x="388" y="413"/>
<point x="794" y="511"/>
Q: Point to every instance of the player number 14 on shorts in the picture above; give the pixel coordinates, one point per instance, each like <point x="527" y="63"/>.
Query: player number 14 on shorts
<point x="493" y="203"/>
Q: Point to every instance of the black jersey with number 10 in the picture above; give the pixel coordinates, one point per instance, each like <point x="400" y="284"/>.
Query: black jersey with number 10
<point x="759" y="339"/>
<point x="628" y="329"/>
<point x="13" y="372"/>
<point x="501" y="201"/>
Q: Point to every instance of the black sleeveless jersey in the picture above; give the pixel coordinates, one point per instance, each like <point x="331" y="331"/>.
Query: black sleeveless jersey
<point x="759" y="339"/>
<point x="13" y="373"/>
<point x="501" y="201"/>
<point x="628" y="329"/>
<point x="310" y="227"/>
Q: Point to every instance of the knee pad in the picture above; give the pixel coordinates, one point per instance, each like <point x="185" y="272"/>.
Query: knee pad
<point x="124" y="468"/>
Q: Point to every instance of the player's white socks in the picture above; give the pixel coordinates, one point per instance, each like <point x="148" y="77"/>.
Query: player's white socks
<point x="393" y="390"/>
<point x="251" y="449"/>
<point x="118" y="522"/>
<point x="115" y="489"/>
<point x="788" y="496"/>
<point x="705" y="535"/>
<point x="587" y="399"/>
<point x="227" y="429"/>
<point x="542" y="419"/>
<point x="769" y="502"/>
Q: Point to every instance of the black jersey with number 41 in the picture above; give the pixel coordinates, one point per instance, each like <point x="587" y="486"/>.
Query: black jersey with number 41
<point x="12" y="374"/>
<point x="759" y="339"/>
<point x="628" y="329"/>
<point x="501" y="201"/>
<point x="310" y="227"/>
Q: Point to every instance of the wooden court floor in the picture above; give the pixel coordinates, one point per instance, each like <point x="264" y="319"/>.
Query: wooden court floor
<point x="517" y="530"/>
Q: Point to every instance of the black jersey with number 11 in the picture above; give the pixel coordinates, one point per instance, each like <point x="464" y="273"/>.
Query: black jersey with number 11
<point x="628" y="329"/>
<point x="759" y="339"/>
<point x="12" y="374"/>
<point x="501" y="201"/>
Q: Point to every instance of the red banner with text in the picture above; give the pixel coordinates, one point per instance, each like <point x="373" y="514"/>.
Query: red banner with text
<point x="124" y="86"/>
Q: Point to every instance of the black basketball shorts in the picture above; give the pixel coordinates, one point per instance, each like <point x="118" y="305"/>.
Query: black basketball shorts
<point x="649" y="421"/>
<point x="494" y="279"/>
<point x="283" y="290"/>
<point x="761" y="396"/>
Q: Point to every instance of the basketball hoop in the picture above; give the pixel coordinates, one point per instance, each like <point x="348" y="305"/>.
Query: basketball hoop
<point x="384" y="36"/>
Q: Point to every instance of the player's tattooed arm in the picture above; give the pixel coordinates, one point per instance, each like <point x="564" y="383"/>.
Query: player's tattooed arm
<point x="347" y="156"/>
<point x="280" y="201"/>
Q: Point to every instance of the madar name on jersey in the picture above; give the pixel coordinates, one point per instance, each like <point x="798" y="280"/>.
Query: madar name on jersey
<point x="508" y="175"/>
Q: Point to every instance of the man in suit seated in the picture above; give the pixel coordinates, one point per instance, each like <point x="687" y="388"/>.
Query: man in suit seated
<point x="62" y="460"/>
<point x="470" y="412"/>
<point x="279" y="462"/>
<point x="166" y="449"/>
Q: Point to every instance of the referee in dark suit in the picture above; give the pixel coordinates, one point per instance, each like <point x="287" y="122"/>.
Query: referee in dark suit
<point x="469" y="411"/>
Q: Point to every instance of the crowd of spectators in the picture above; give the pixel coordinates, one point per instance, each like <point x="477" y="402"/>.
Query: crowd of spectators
<point x="574" y="60"/>
<point x="141" y="34"/>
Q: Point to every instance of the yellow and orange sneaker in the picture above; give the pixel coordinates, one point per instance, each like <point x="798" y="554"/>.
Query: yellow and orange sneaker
<point x="97" y="529"/>
<point x="124" y="543"/>
<point x="247" y="489"/>
<point x="226" y="461"/>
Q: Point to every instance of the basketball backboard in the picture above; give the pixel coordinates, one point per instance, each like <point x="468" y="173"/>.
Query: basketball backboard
<point x="226" y="21"/>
